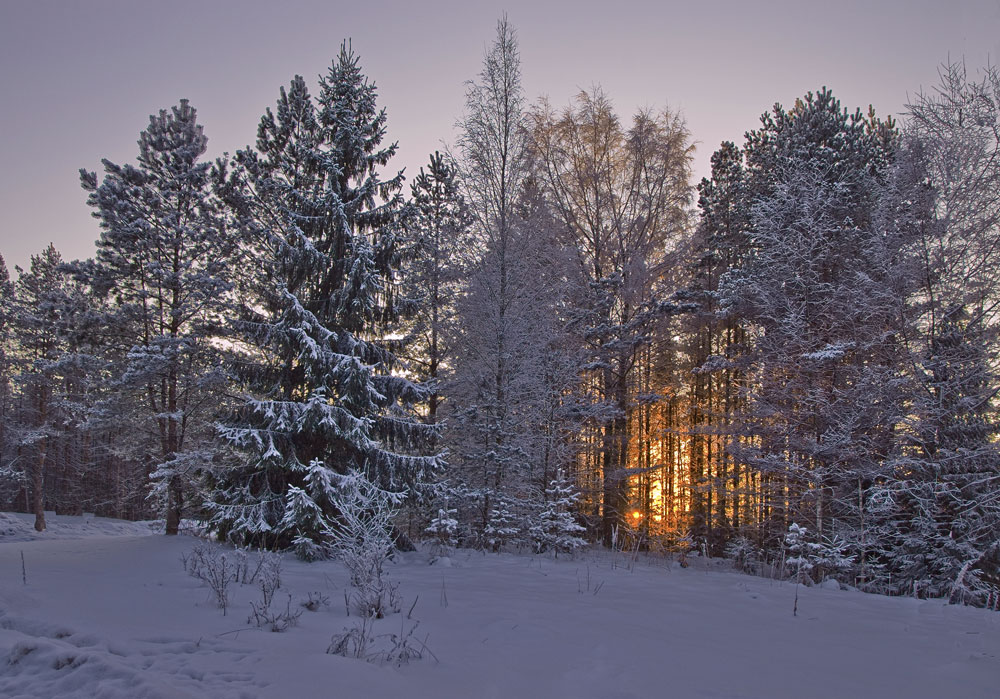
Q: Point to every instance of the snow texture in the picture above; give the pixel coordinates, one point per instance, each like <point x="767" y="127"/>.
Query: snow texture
<point x="112" y="614"/>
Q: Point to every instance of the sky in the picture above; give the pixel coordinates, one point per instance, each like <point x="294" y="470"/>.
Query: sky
<point x="79" y="79"/>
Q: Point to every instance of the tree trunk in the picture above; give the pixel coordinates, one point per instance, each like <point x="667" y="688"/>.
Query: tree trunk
<point x="175" y="504"/>
<point x="37" y="487"/>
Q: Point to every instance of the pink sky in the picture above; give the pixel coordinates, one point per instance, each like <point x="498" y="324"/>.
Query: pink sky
<point x="79" y="79"/>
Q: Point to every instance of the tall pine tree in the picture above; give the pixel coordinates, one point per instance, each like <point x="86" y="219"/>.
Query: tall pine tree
<point x="432" y="266"/>
<point x="161" y="259"/>
<point x="821" y="288"/>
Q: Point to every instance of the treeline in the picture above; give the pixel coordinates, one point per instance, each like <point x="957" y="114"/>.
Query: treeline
<point x="550" y="332"/>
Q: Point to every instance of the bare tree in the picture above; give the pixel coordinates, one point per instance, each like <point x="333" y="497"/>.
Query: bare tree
<point x="621" y="196"/>
<point x="940" y="511"/>
<point x="509" y="374"/>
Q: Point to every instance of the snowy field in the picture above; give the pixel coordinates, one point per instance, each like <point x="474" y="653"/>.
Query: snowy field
<point x="108" y="611"/>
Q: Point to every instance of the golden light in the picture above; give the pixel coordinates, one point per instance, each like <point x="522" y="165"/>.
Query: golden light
<point x="636" y="514"/>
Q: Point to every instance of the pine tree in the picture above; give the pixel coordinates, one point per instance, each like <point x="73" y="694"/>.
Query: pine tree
<point x="822" y="287"/>
<point x="40" y="335"/>
<point x="319" y="233"/>
<point x="8" y="478"/>
<point x="437" y="246"/>
<point x="162" y="259"/>
<point x="716" y="342"/>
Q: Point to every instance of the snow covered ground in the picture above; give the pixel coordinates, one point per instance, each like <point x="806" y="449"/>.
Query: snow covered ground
<point x="108" y="611"/>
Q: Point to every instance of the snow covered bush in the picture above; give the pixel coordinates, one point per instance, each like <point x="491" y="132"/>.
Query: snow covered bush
<point x="744" y="553"/>
<point x="215" y="568"/>
<point x="353" y="642"/>
<point x="362" y="540"/>
<point x="268" y="573"/>
<point x="262" y="616"/>
<point x="360" y="641"/>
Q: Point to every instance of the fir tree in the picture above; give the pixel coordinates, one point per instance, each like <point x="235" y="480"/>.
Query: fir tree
<point x="319" y="233"/>
<point x="506" y="523"/>
<point x="555" y="528"/>
<point x="444" y="529"/>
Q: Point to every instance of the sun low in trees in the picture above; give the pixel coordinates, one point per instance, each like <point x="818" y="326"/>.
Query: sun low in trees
<point x="318" y="232"/>
<point x="621" y="195"/>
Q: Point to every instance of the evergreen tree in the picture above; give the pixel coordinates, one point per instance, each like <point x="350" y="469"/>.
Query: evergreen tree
<point x="821" y="287"/>
<point x="162" y="259"/>
<point x="437" y="246"/>
<point x="555" y="529"/>
<point x="319" y="233"/>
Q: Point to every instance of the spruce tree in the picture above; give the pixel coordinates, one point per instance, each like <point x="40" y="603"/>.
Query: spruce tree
<point x="319" y="231"/>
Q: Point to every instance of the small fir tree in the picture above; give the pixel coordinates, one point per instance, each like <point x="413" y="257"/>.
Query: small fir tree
<point x="506" y="526"/>
<point x="555" y="529"/>
<point x="444" y="529"/>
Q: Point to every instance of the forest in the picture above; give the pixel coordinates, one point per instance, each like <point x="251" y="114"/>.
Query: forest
<point x="548" y="337"/>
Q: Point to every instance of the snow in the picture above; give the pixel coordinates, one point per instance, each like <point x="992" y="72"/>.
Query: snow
<point x="109" y="612"/>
